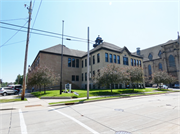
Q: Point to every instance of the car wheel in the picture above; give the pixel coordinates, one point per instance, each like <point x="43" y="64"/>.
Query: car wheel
<point x="4" y="94"/>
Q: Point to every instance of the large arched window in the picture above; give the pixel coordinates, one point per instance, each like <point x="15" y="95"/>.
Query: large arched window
<point x="171" y="61"/>
<point x="149" y="70"/>
<point x="150" y="57"/>
<point x="160" y="67"/>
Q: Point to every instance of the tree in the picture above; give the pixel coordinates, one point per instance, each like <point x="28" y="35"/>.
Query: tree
<point x="19" y="79"/>
<point x="163" y="77"/>
<point x="42" y="76"/>
<point x="111" y="74"/>
<point x="136" y="75"/>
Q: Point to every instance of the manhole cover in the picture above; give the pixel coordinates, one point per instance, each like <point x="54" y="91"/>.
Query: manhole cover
<point x="122" y="132"/>
<point x="119" y="110"/>
<point x="168" y="104"/>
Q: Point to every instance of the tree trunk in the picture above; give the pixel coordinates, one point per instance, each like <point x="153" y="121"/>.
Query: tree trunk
<point x="111" y="88"/>
<point x="44" y="89"/>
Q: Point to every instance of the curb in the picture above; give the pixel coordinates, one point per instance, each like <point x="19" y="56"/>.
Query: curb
<point x="7" y="109"/>
<point x="73" y="103"/>
<point x="55" y="97"/>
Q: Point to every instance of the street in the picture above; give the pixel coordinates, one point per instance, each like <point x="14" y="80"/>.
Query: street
<point x="155" y="114"/>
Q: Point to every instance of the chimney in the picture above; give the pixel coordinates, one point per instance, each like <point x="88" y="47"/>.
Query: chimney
<point x="138" y="52"/>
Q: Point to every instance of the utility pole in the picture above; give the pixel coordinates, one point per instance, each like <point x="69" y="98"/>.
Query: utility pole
<point x="26" y="52"/>
<point x="61" y="57"/>
<point x="88" y="67"/>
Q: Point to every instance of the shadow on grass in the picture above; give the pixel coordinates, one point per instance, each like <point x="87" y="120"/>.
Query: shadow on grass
<point x="39" y="94"/>
<point x="162" y="89"/>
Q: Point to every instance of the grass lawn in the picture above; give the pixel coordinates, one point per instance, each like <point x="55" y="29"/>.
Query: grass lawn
<point x="11" y="100"/>
<point x="92" y="92"/>
<point x="103" y="98"/>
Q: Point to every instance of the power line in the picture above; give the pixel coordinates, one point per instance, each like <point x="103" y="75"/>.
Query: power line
<point x="47" y="32"/>
<point x="15" y="19"/>
<point x="37" y="13"/>
<point x="14" y="43"/>
<point x="13" y="35"/>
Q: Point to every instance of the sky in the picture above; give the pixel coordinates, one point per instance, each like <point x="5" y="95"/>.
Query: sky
<point x="130" y="23"/>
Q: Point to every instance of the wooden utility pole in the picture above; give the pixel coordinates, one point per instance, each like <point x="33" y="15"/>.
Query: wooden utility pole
<point x="26" y="52"/>
<point x="61" y="58"/>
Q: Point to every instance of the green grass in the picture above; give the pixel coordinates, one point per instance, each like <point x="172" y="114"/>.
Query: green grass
<point x="92" y="92"/>
<point x="11" y="100"/>
<point x="109" y="97"/>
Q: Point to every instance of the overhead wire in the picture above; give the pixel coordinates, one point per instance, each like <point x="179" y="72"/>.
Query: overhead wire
<point x="47" y="32"/>
<point x="15" y="19"/>
<point x="17" y="30"/>
<point x="15" y="43"/>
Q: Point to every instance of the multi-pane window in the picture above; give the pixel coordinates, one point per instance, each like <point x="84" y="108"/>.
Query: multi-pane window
<point x="77" y="77"/>
<point x="150" y="57"/>
<point x="82" y="63"/>
<point x="118" y="59"/>
<point x="77" y="63"/>
<point x="85" y="62"/>
<point x="134" y="62"/>
<point x="69" y="62"/>
<point x="93" y="59"/>
<point x="73" y="77"/>
<point x="149" y="70"/>
<point x="98" y="71"/>
<point x="137" y="63"/>
<point x="85" y="76"/>
<point x="106" y="57"/>
<point x="89" y="60"/>
<point x="172" y="61"/>
<point x="98" y="58"/>
<point x="160" y="67"/>
<point x="114" y="58"/>
<point x="131" y="62"/>
<point x="110" y="58"/>
<point x="93" y="73"/>
<point x="125" y="60"/>
<point x="82" y="77"/>
<point x="73" y="62"/>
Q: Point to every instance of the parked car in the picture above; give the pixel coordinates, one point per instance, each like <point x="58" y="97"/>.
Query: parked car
<point x="16" y="87"/>
<point x="163" y="87"/>
<point x="7" y="90"/>
<point x="176" y="86"/>
<point x="154" y="86"/>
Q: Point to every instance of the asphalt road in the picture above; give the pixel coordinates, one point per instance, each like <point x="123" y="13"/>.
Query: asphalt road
<point x="155" y="114"/>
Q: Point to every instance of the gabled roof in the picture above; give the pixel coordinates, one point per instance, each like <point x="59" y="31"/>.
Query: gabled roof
<point x="66" y="51"/>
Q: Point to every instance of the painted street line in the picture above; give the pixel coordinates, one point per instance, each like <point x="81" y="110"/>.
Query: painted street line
<point x="75" y="120"/>
<point x="22" y="123"/>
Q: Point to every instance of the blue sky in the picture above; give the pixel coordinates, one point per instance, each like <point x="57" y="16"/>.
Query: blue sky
<point x="124" y="23"/>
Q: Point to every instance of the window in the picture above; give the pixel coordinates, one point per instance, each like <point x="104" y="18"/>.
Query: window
<point x="73" y="62"/>
<point x="149" y="70"/>
<point x="98" y="71"/>
<point x="137" y="63"/>
<point x="73" y="77"/>
<point x="85" y="62"/>
<point x="159" y="54"/>
<point x="131" y="62"/>
<point x="69" y="62"/>
<point x="82" y="76"/>
<point x="125" y="60"/>
<point x="134" y="62"/>
<point x="150" y="57"/>
<point x="77" y="63"/>
<point x="110" y="58"/>
<point x="160" y="67"/>
<point x="82" y="63"/>
<point x="98" y="58"/>
<point x="85" y="76"/>
<point x="77" y="77"/>
<point x="114" y="58"/>
<point x="89" y="60"/>
<point x="118" y="59"/>
<point x="171" y="61"/>
<point x="93" y="73"/>
<point x="93" y="59"/>
<point x="106" y="57"/>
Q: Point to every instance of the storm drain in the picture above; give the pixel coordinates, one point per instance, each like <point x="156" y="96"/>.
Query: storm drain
<point x="168" y="104"/>
<point x="122" y="110"/>
<point x="122" y="132"/>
